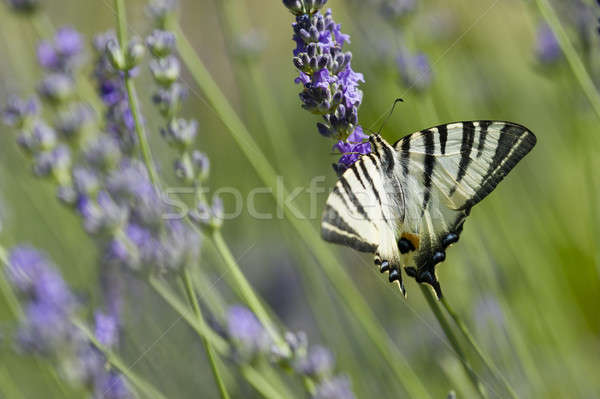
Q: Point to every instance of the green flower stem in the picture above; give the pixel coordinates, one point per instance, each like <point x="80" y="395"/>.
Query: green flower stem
<point x="471" y="340"/>
<point x="577" y="66"/>
<point x="259" y="383"/>
<point x="133" y="99"/>
<point x="330" y="264"/>
<point x="431" y="301"/>
<point x="178" y="306"/>
<point x="142" y="385"/>
<point x="246" y="290"/>
<point x="191" y="293"/>
<point x="218" y="343"/>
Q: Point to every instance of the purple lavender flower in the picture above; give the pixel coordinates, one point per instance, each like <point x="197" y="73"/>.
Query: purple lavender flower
<point x="111" y="89"/>
<point x="103" y="153"/>
<point x="335" y="388"/>
<point x="248" y="335"/>
<point x="63" y="53"/>
<point x="55" y="162"/>
<point x="74" y="121"/>
<point x="19" y="112"/>
<point x="415" y="70"/>
<point x="111" y="385"/>
<point x="351" y="149"/>
<point x="547" y="48"/>
<point x="25" y="264"/>
<point x="106" y="329"/>
<point x="318" y="363"/>
<point x="158" y="10"/>
<point x="56" y="88"/>
<point x="330" y="85"/>
<point x="161" y="43"/>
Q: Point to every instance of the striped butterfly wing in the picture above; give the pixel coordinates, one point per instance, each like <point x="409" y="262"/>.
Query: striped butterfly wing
<point x="445" y="171"/>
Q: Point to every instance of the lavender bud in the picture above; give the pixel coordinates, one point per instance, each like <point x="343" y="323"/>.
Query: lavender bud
<point x="298" y="343"/>
<point x="73" y="122"/>
<point x="56" y="162"/>
<point x="56" y="88"/>
<point x="106" y="329"/>
<point x="547" y="48"/>
<point x="161" y="43"/>
<point x="248" y="335"/>
<point x="202" y="165"/>
<point x="208" y="217"/>
<point x="165" y="70"/>
<point x="115" y="53"/>
<point x="135" y="53"/>
<point x="318" y="363"/>
<point x="85" y="181"/>
<point x="43" y="137"/>
<point x="324" y="130"/>
<point x="160" y="9"/>
<point x="180" y="133"/>
<point x="18" y="112"/>
<point x="184" y="169"/>
<point x="295" y="6"/>
<point x="103" y="153"/>
<point x="67" y="194"/>
<point x="169" y="99"/>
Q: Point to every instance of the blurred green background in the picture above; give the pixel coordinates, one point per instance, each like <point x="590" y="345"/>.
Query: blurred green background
<point x="525" y="277"/>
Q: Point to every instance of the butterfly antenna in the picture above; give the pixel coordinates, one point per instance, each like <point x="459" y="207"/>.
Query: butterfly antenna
<point x="396" y="101"/>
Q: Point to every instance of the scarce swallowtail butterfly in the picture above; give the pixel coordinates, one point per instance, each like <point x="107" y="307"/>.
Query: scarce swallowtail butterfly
<point x="407" y="202"/>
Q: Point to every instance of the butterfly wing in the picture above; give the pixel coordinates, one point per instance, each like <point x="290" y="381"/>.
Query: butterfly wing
<point x="445" y="171"/>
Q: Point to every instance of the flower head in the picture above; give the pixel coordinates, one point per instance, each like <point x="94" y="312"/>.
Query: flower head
<point x="415" y="70"/>
<point x="247" y="333"/>
<point x="335" y="388"/>
<point x="330" y="85"/>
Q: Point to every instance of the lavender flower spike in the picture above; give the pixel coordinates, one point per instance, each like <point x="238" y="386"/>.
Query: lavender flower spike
<point x="330" y="85"/>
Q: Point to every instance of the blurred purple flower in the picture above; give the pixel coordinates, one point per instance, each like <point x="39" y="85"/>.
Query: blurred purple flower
<point x="62" y="54"/>
<point x="106" y="329"/>
<point x="415" y="70"/>
<point x="25" y="264"/>
<point x="247" y="333"/>
<point x="318" y="363"/>
<point x="111" y="385"/>
<point x="18" y="112"/>
<point x="547" y="48"/>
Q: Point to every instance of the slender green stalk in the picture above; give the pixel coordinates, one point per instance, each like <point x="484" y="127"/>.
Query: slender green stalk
<point x="431" y="301"/>
<point x="212" y="338"/>
<point x="246" y="290"/>
<point x="261" y="384"/>
<point x="353" y="299"/>
<point x="144" y="386"/>
<point x="471" y="340"/>
<point x="174" y="302"/>
<point x="133" y="99"/>
<point x="191" y="293"/>
<point x="575" y="63"/>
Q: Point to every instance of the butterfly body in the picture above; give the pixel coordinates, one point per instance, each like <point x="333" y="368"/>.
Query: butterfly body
<point x="407" y="202"/>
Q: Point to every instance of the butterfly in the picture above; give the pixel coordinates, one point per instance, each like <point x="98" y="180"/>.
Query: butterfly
<point x="407" y="202"/>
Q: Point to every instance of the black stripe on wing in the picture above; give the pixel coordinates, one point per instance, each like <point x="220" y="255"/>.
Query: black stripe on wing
<point x="335" y="229"/>
<point x="468" y="137"/>
<point x="514" y="143"/>
<point x="429" y="165"/>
